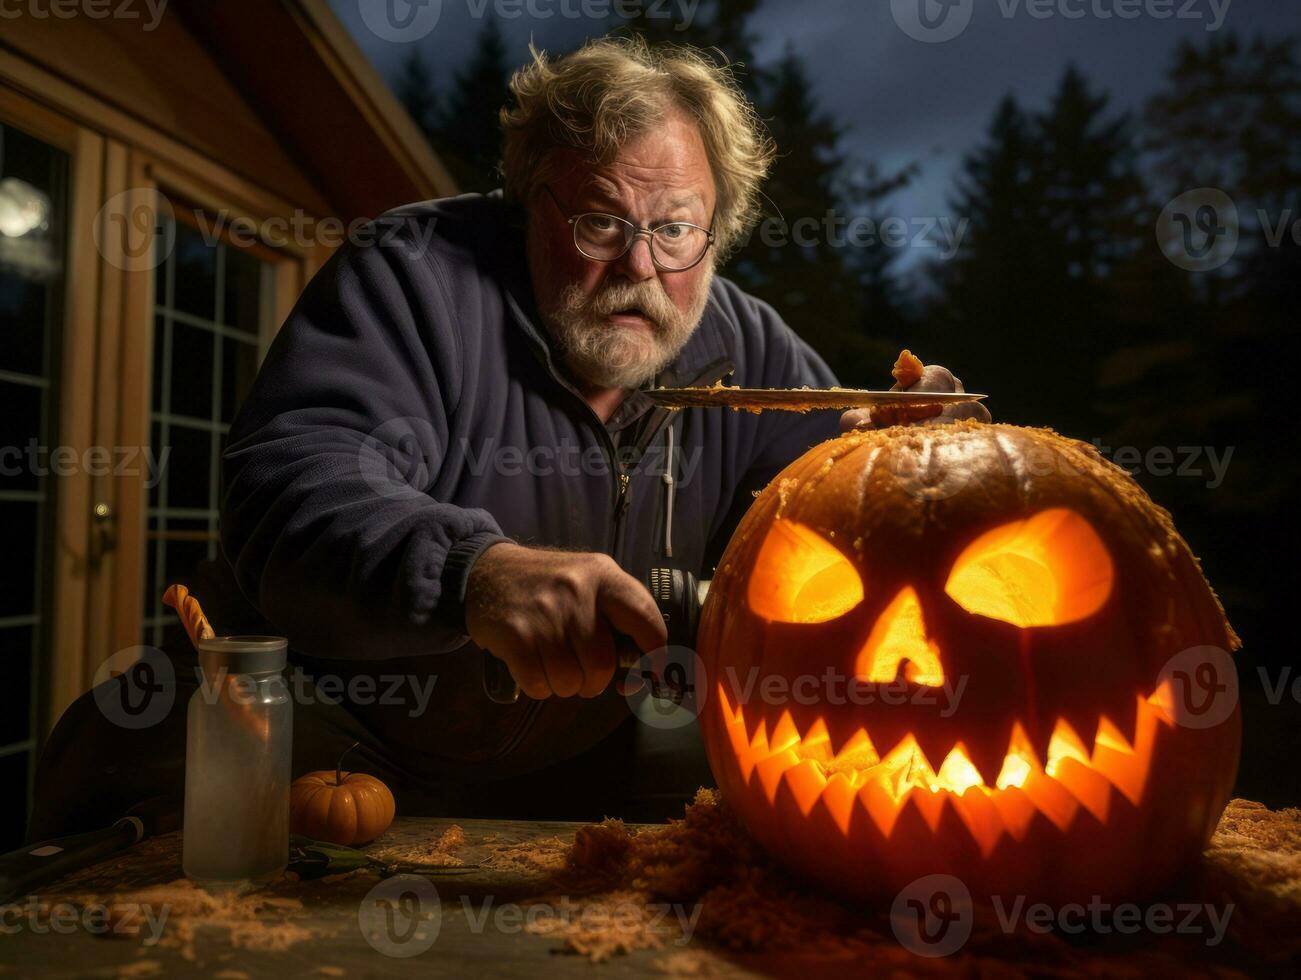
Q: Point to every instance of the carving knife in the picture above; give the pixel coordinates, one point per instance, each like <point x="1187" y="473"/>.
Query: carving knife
<point x="802" y="399"/>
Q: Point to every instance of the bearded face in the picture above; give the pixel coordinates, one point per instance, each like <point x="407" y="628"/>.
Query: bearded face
<point x="625" y="333"/>
<point x="618" y="322"/>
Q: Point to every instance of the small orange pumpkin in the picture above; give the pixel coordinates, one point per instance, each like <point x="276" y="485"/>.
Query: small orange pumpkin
<point x="348" y="808"/>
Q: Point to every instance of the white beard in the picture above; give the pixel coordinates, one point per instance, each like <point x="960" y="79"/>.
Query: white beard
<point x="609" y="356"/>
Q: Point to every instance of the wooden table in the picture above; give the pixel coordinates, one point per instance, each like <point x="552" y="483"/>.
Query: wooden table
<point x="479" y="928"/>
<point x="362" y="924"/>
<point x="310" y="928"/>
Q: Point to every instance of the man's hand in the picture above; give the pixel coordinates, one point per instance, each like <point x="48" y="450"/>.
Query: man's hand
<point x="934" y="378"/>
<point x="552" y="615"/>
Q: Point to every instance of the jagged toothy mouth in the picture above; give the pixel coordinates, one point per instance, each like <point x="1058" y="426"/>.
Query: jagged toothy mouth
<point x="1071" y="776"/>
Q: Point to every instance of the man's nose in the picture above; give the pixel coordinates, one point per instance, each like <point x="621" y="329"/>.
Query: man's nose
<point x="637" y="265"/>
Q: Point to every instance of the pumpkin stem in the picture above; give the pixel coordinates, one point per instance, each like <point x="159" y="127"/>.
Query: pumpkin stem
<point x="338" y="769"/>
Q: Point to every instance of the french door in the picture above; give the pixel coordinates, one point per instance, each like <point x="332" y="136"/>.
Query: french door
<point x="129" y="332"/>
<point x="33" y="265"/>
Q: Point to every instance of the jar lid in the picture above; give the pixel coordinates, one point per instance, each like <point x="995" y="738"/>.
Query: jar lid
<point x="243" y="654"/>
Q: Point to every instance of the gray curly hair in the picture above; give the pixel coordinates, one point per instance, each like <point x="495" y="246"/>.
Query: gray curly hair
<point x="613" y="90"/>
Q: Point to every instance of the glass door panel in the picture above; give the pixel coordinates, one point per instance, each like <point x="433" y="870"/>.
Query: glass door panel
<point x="33" y="217"/>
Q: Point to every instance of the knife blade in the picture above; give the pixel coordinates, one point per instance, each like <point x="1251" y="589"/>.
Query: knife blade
<point x="801" y="399"/>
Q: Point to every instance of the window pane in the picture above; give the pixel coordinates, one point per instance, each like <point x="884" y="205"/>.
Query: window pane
<point x="175" y="547"/>
<point x="243" y="290"/>
<point x="22" y="325"/>
<point x="33" y="194"/>
<point x="20" y="437"/>
<point x="153" y="597"/>
<point x="28" y="159"/>
<point x="191" y="387"/>
<point x="160" y="277"/>
<point x="195" y="274"/>
<point x="154" y="493"/>
<point x="179" y="557"/>
<point x="204" y="372"/>
<point x="182" y="559"/>
<point x="15" y="692"/>
<point x="160" y="355"/>
<point x="188" y="465"/>
<point x="238" y="367"/>
<point x="13" y="815"/>
<point x="21" y="521"/>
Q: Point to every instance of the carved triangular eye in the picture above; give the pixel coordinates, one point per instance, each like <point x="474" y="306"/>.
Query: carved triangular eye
<point x="800" y="577"/>
<point x="1047" y="570"/>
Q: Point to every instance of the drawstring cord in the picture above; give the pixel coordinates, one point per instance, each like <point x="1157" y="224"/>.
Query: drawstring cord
<point x="669" y="488"/>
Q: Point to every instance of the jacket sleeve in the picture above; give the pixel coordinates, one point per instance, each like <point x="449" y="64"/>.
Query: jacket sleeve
<point x="327" y="518"/>
<point x="772" y="356"/>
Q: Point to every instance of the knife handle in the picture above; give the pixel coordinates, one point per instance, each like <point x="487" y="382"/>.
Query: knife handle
<point x="23" y="870"/>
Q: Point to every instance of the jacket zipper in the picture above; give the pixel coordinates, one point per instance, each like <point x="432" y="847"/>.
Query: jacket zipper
<point x="714" y="372"/>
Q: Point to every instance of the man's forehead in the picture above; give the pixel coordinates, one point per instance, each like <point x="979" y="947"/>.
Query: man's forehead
<point x="672" y="194"/>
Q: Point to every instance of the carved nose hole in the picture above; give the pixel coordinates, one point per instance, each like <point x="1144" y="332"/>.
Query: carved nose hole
<point x="899" y="647"/>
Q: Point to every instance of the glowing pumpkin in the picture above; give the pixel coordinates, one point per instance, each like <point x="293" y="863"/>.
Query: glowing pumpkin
<point x="348" y="808"/>
<point x="946" y="650"/>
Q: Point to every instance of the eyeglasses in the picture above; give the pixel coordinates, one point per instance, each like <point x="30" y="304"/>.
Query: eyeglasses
<point x="675" y="246"/>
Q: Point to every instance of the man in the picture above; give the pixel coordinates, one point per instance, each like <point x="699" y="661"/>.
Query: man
<point x="446" y="451"/>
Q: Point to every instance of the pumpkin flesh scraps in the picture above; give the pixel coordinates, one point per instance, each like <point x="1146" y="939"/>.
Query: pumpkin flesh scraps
<point x="907" y="370"/>
<point x="855" y="781"/>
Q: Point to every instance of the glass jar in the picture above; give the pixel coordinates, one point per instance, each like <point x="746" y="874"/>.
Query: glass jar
<point x="239" y="735"/>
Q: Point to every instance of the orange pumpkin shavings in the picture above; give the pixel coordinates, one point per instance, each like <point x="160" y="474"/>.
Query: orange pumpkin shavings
<point x="703" y="893"/>
<point x="439" y="853"/>
<point x="907" y="370"/>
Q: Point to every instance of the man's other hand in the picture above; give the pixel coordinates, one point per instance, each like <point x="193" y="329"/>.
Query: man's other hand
<point x="552" y="616"/>
<point x="934" y="378"/>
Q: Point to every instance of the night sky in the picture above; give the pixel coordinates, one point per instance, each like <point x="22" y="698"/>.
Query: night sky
<point x="900" y="99"/>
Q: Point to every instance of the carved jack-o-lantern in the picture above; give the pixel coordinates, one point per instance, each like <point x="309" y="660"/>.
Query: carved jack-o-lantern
<point x="945" y="650"/>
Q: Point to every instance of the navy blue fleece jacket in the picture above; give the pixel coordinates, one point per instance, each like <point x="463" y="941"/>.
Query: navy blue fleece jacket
<point x="411" y="412"/>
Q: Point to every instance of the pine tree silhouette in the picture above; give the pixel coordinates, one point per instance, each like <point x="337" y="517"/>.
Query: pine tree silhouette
<point x="467" y="126"/>
<point x="885" y="298"/>
<point x="414" y="87"/>
<point x="1229" y="117"/>
<point x="1091" y="186"/>
<point x="988" y="317"/>
<point x="1054" y="202"/>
